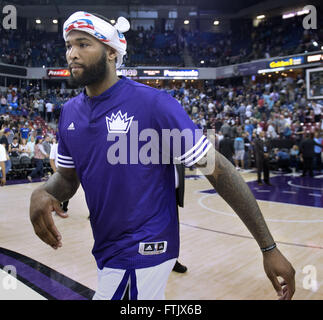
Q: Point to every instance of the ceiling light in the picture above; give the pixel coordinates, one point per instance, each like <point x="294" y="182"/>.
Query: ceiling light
<point x="288" y="15"/>
<point x="301" y="12"/>
<point x="262" y="16"/>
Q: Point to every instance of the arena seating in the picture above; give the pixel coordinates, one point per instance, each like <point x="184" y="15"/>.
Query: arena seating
<point x="272" y="37"/>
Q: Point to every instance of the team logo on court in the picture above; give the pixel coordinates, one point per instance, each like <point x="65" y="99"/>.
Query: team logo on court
<point x="149" y="248"/>
<point x="118" y="123"/>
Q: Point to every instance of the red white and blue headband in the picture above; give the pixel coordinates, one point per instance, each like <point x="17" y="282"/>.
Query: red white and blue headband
<point x="101" y="30"/>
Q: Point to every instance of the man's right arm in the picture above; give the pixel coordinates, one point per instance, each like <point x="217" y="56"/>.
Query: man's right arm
<point x="47" y="198"/>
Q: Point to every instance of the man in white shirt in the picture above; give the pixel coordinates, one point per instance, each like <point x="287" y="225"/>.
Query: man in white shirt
<point x="35" y="105"/>
<point x="271" y="132"/>
<point x="3" y="159"/>
<point x="317" y="111"/>
<point x="49" y="111"/>
<point x="248" y="111"/>
<point x="211" y="106"/>
<point x="41" y="108"/>
<point x="31" y="145"/>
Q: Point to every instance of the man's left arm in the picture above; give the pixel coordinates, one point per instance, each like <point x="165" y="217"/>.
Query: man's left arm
<point x="233" y="189"/>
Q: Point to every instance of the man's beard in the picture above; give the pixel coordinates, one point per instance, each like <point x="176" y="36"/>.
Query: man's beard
<point x="94" y="73"/>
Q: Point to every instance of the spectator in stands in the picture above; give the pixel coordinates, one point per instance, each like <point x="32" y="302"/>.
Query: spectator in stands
<point x="3" y="104"/>
<point x="57" y="111"/>
<point x="283" y="160"/>
<point x="307" y="153"/>
<point x="201" y="123"/>
<point x="318" y="151"/>
<point x="249" y="128"/>
<point x="5" y="143"/>
<point x="242" y="112"/>
<point x="239" y="151"/>
<point x="41" y="108"/>
<point x="3" y="159"/>
<point x="299" y="132"/>
<point x="226" y="147"/>
<point x="225" y="129"/>
<point x="287" y="131"/>
<point x="14" y="148"/>
<point x="247" y="157"/>
<point x="271" y="132"/>
<point x="294" y="158"/>
<point x="281" y="124"/>
<point x="24" y="150"/>
<point x="31" y="145"/>
<point x="211" y="106"/>
<point x="40" y="155"/>
<point x="261" y="152"/>
<point x="249" y="111"/>
<point x="216" y="138"/>
<point x="3" y="101"/>
<point x="4" y="138"/>
<point x="259" y="128"/>
<point x="36" y="105"/>
<point x="49" y="111"/>
<point x="24" y="131"/>
<point x="46" y="144"/>
<point x="12" y="133"/>
<point x="317" y="109"/>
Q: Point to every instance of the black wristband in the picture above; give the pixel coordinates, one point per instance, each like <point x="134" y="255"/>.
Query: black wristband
<point x="273" y="246"/>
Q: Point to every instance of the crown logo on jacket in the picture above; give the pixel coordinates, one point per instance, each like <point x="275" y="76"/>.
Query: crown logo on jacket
<point x="118" y="123"/>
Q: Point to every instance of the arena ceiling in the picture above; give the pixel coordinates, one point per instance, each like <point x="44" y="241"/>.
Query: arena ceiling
<point x="225" y="6"/>
<point x="228" y="7"/>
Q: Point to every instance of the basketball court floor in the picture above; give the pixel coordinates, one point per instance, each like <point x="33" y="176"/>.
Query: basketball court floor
<point x="223" y="260"/>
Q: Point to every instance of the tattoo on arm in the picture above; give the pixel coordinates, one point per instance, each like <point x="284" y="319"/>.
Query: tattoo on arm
<point x="62" y="187"/>
<point x="233" y="189"/>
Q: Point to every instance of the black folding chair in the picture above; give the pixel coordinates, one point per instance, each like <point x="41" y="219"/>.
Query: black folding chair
<point x="15" y="167"/>
<point x="25" y="163"/>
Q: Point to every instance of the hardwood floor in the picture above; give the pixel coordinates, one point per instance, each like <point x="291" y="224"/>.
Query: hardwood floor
<point x="223" y="260"/>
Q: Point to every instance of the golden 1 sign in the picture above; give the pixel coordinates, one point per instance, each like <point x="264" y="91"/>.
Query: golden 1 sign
<point x="286" y="62"/>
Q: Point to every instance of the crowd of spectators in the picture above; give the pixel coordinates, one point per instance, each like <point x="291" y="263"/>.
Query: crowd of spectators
<point x="237" y="114"/>
<point x="47" y="49"/>
<point x="149" y="47"/>
<point x="30" y="102"/>
<point x="271" y="38"/>
<point x="240" y="113"/>
<point x="26" y="117"/>
<point x="32" y="49"/>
